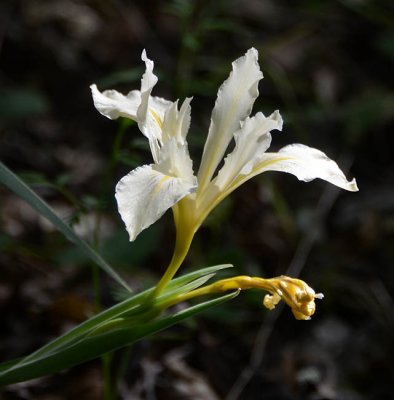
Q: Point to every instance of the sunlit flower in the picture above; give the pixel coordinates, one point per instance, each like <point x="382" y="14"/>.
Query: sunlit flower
<point x="148" y="191"/>
<point x="169" y="182"/>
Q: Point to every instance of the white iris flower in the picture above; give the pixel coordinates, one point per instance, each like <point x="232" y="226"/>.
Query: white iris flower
<point x="148" y="191"/>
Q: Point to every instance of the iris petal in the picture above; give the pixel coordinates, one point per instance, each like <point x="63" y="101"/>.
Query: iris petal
<point x="233" y="104"/>
<point x="306" y="163"/>
<point x="145" y="194"/>
<point x="113" y="104"/>
<point x="251" y="142"/>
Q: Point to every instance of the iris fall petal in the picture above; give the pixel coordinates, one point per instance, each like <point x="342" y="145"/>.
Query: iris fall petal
<point x="145" y="194"/>
<point x="306" y="163"/>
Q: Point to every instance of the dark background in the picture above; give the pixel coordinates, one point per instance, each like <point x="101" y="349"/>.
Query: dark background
<point x="328" y="67"/>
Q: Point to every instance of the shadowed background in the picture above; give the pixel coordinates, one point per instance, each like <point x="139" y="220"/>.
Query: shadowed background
<point x="328" y="68"/>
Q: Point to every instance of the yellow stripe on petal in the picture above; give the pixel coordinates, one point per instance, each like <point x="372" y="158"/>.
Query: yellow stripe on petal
<point x="157" y="118"/>
<point x="160" y="184"/>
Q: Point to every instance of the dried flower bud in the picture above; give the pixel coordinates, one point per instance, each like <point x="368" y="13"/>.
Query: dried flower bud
<point x="294" y="292"/>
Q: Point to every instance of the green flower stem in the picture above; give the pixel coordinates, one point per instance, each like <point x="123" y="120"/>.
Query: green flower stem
<point x="182" y="245"/>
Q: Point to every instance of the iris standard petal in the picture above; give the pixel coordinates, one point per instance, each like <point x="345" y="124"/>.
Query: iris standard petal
<point x="145" y="194"/>
<point x="148" y="81"/>
<point x="176" y="123"/>
<point x="306" y="163"/>
<point x="151" y="111"/>
<point x="251" y="142"/>
<point x="233" y="104"/>
<point x="175" y="161"/>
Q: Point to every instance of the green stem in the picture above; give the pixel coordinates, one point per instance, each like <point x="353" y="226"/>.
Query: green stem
<point x="106" y="360"/>
<point x="182" y="246"/>
<point x="109" y="389"/>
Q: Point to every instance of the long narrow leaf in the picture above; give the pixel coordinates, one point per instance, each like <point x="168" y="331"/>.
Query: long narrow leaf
<point x="14" y="183"/>
<point x="136" y="302"/>
<point x="98" y="345"/>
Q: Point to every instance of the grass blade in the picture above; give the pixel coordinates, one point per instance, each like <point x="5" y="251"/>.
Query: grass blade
<point x="14" y="183"/>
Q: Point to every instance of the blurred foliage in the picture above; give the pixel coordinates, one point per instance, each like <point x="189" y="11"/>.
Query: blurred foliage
<point x="328" y="69"/>
<point x="21" y="103"/>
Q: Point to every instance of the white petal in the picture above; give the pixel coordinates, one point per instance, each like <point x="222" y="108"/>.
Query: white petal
<point x="175" y="161"/>
<point x="150" y="113"/>
<point x="251" y="142"/>
<point x="113" y="104"/>
<point x="306" y="164"/>
<point x="176" y="123"/>
<point x="149" y="79"/>
<point x="145" y="194"/>
<point x="233" y="104"/>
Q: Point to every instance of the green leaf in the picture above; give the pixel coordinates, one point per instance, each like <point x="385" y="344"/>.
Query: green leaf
<point x="136" y="304"/>
<point x="97" y="345"/>
<point x="14" y="183"/>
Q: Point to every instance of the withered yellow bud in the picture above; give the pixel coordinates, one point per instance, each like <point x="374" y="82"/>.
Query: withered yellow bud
<point x="296" y="293"/>
<point x="270" y="301"/>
